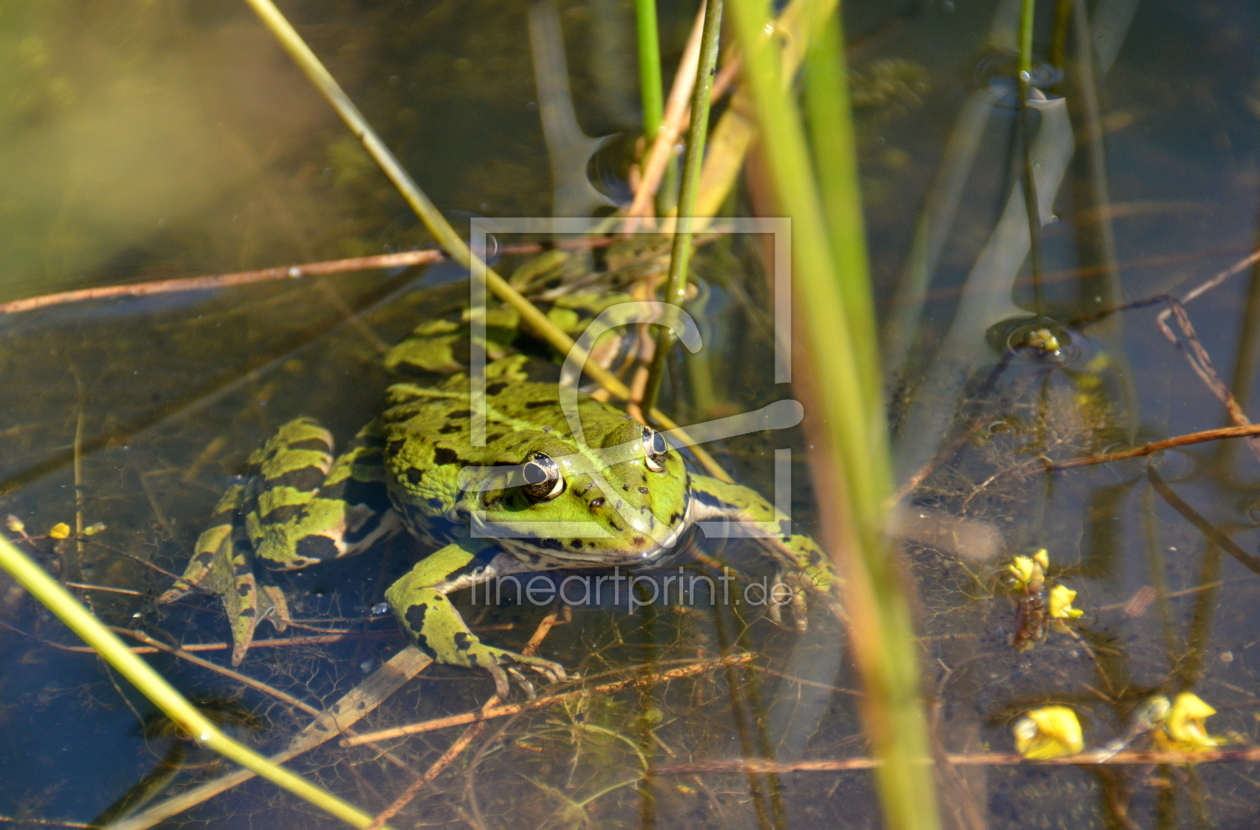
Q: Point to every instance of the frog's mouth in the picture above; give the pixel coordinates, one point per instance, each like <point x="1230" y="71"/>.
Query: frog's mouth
<point x="573" y="549"/>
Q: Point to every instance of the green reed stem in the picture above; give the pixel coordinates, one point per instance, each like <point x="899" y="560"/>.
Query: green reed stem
<point x="830" y="127"/>
<point x="151" y="684"/>
<point x="652" y="93"/>
<point x="1026" y="18"/>
<point x="649" y="68"/>
<point x="693" y="161"/>
<point x="849" y="428"/>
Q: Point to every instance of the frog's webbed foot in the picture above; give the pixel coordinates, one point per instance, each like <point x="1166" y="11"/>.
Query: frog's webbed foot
<point x="419" y="603"/>
<point x="227" y="570"/>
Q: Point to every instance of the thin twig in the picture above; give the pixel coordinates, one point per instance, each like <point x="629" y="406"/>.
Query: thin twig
<point x="1158" y="446"/>
<point x="1196" y="355"/>
<point x="403" y="259"/>
<point x="1201" y="362"/>
<point x="987" y="759"/>
<point x="550" y="700"/>
<point x="175" y="286"/>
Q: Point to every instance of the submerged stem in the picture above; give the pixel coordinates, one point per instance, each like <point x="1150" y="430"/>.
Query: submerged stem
<point x="1026" y="19"/>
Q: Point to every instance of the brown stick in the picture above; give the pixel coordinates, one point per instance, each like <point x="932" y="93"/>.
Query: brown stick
<point x="145" y="289"/>
<point x="1158" y="446"/>
<point x="766" y="767"/>
<point x="1194" y="352"/>
<point x="281" y="272"/>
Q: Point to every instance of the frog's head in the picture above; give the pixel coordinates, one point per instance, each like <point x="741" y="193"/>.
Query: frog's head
<point x="618" y="499"/>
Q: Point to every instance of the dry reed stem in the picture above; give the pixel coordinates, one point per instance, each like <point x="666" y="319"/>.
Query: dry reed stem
<point x="763" y="766"/>
<point x="676" y="109"/>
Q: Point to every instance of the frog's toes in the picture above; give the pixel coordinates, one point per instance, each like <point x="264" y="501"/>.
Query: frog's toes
<point x="508" y="663"/>
<point x="789" y="589"/>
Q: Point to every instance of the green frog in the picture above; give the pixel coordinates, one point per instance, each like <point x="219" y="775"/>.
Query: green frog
<point x="535" y="497"/>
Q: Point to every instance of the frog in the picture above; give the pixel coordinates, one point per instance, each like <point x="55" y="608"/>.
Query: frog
<point x="537" y="494"/>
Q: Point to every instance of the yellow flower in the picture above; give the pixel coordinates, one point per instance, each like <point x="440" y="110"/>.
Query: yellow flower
<point x="1061" y="608"/>
<point x="1184" y="730"/>
<point x="61" y="530"/>
<point x="1048" y="732"/>
<point x="1030" y="571"/>
<point x="1022" y="568"/>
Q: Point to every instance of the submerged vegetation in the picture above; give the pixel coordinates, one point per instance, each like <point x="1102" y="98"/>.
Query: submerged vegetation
<point x="1012" y="445"/>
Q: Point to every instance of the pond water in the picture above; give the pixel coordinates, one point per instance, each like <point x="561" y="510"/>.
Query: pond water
<point x="144" y="141"/>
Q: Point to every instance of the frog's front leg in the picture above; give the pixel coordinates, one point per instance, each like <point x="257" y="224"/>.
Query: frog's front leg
<point x="807" y="567"/>
<point x="420" y="604"/>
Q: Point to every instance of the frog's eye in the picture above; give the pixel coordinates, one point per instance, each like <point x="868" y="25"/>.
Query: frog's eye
<point x="655" y="450"/>
<point x="543" y="481"/>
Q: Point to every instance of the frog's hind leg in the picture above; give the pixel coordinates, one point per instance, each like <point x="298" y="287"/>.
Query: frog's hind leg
<point x="247" y="599"/>
<point x="420" y="604"/>
<point x="806" y="566"/>
<point x="310" y="508"/>
<point x="295" y="506"/>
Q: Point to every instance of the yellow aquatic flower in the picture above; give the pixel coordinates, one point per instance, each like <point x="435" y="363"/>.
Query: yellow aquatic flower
<point x="61" y="530"/>
<point x="1048" y="732"/>
<point x="1184" y="729"/>
<point x="1030" y="571"/>
<point x="1061" y="608"/>
<point x="1022" y="569"/>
